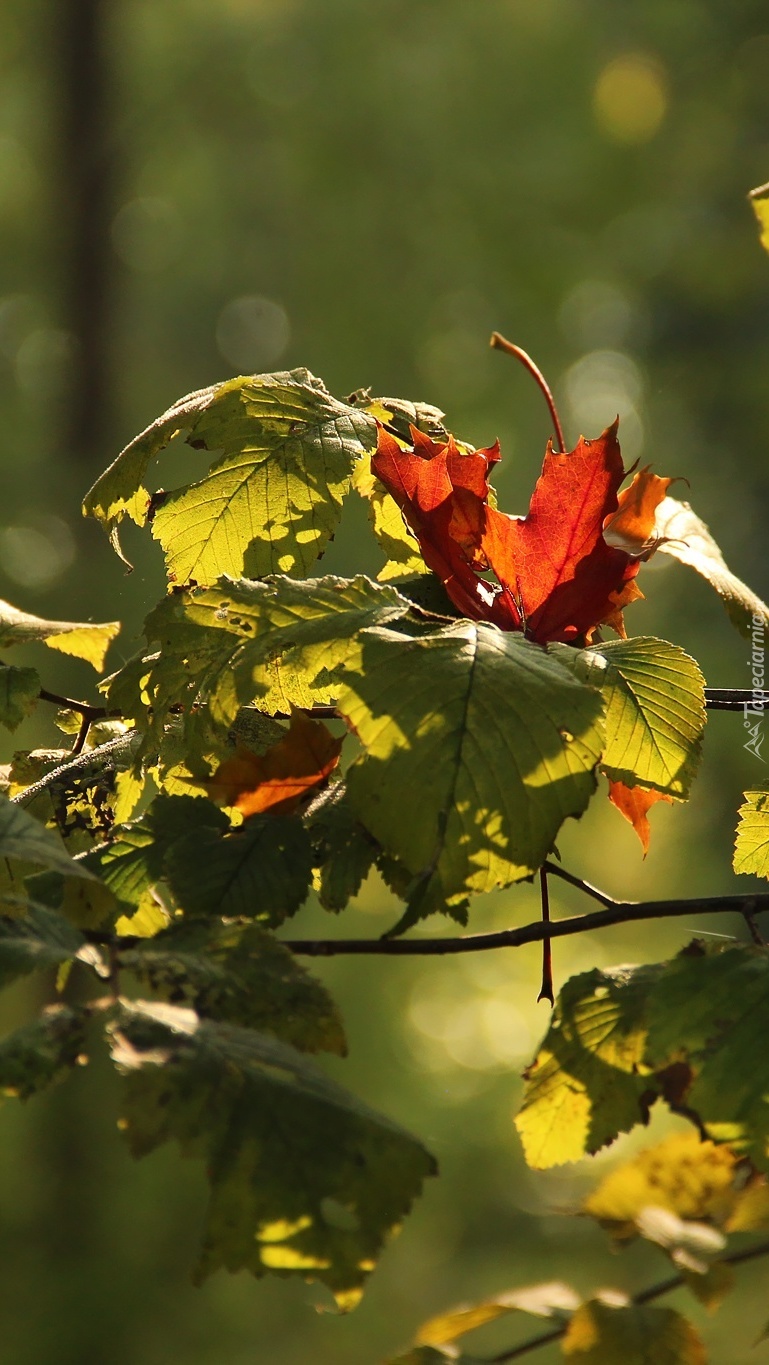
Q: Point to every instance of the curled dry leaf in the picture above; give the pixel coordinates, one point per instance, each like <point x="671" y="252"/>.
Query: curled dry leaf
<point x="635" y="803"/>
<point x="280" y="779"/>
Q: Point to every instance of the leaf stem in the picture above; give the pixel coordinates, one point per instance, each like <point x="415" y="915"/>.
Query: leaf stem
<point x="500" y="343"/>
<point x="654" y="1291"/>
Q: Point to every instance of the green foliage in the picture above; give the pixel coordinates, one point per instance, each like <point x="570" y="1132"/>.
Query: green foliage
<point x="751" y="850"/>
<point x="469" y="745"/>
<point x="304" y="1177"/>
<point x="19" y="690"/>
<point x="43" y="1052"/>
<point x="468" y="793"/>
<point x="611" y="1334"/>
<point x="238" y="974"/>
<point x="621" y="1039"/>
<point x="655" y="710"/>
<point x="285" y="451"/>
<point x="35" y="938"/>
<point x="84" y="639"/>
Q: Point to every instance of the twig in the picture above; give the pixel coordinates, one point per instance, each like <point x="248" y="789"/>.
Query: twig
<point x="620" y="912"/>
<point x="735" y="699"/>
<point x="654" y="1291"/>
<point x="84" y="707"/>
<point x="500" y="343"/>
<point x="77" y="767"/>
<point x="546" y="989"/>
<point x="581" y="885"/>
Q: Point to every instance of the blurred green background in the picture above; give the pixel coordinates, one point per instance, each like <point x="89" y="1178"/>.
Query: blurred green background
<point x="198" y="188"/>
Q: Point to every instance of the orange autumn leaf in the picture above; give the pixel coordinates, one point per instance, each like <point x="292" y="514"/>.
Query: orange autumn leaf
<point x="280" y="779"/>
<point x="635" y="803"/>
<point x="562" y="570"/>
<point x="631" y="527"/>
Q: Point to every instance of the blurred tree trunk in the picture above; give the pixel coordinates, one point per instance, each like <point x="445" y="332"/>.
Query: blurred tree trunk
<point x="86" y="161"/>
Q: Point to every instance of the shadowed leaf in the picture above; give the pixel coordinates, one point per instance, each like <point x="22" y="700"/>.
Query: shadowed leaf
<point x="305" y="1179"/>
<point x="239" y="974"/>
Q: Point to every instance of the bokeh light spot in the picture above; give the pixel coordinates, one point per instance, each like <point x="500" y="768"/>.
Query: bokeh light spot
<point x="252" y="332"/>
<point x="630" y="98"/>
<point x="146" y="234"/>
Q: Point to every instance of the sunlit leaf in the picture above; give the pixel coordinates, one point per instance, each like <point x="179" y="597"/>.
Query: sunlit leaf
<point x="587" y="1082"/>
<point x="84" y="639"/>
<point x="688" y="1031"/>
<point x="635" y="803"/>
<point x="751" y="849"/>
<point x="541" y="1300"/>
<point x="759" y="198"/>
<point x="655" y="710"/>
<point x="683" y="536"/>
<point x="694" y="1179"/>
<point x="478" y="745"/>
<point x="285" y="450"/>
<point x="305" y="1179"/>
<point x="388" y="525"/>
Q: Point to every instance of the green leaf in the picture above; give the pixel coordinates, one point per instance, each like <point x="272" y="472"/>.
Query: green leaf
<point x="23" y="838"/>
<point x="655" y="709"/>
<point x="261" y="869"/>
<point x="40" y="1053"/>
<point x="389" y="527"/>
<point x="684" y="537"/>
<point x="603" y="1333"/>
<point x="689" y="1031"/>
<point x="305" y="1178"/>
<point x="239" y="974"/>
<point x="343" y="851"/>
<point x="222" y="648"/>
<point x="34" y="939"/>
<point x="588" y="1080"/>
<point x="84" y="639"/>
<point x="285" y="450"/>
<point x="751" y="849"/>
<point x="19" y="690"/>
<point x="478" y="745"/>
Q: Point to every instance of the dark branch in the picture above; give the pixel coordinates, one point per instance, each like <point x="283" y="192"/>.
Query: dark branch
<point x="735" y="699"/>
<point x="620" y="912"/>
<point x="654" y="1291"/>
<point x="83" y="707"/>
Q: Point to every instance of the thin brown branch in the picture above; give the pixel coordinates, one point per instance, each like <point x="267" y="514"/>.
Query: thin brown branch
<point x="587" y="887"/>
<point x="82" y="736"/>
<point x="654" y="1291"/>
<point x="500" y="343"/>
<point x="621" y="912"/>
<point x="85" y="708"/>
<point x="735" y="699"/>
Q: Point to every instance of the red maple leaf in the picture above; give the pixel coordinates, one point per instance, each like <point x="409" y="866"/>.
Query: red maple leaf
<point x="565" y="568"/>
